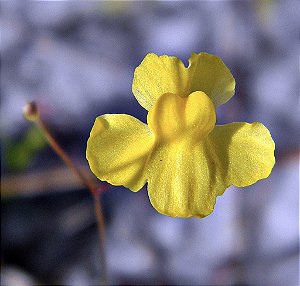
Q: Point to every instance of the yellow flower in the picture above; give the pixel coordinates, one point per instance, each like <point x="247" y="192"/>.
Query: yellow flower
<point x="186" y="159"/>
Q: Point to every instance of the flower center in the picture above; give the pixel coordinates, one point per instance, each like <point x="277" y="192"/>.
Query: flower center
<point x="174" y="117"/>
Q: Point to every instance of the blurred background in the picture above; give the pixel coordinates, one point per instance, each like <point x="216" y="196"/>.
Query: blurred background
<point x="76" y="59"/>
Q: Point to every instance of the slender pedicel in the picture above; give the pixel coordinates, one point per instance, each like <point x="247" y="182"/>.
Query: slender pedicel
<point x="31" y="113"/>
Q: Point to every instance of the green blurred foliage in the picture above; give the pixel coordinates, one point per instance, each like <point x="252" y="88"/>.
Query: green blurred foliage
<point x="19" y="154"/>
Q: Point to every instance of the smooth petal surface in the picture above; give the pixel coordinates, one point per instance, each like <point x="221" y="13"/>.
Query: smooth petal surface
<point x="118" y="148"/>
<point x="157" y="75"/>
<point x="242" y="152"/>
<point x="209" y="74"/>
<point x="182" y="180"/>
<point x="175" y="118"/>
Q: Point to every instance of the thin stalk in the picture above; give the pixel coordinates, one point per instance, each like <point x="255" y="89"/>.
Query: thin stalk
<point x="92" y="187"/>
<point x="101" y="234"/>
<point x="31" y="114"/>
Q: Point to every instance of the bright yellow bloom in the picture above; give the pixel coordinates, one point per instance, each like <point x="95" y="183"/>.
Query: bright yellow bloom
<point x="184" y="156"/>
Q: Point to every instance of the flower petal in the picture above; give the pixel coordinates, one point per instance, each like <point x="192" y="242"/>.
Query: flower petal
<point x="182" y="180"/>
<point x="157" y="75"/>
<point x="175" y="118"/>
<point x="118" y="148"/>
<point x="209" y="74"/>
<point x="243" y="152"/>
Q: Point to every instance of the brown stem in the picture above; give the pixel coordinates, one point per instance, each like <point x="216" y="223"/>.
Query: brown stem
<point x="101" y="234"/>
<point x="31" y="113"/>
<point x="63" y="155"/>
